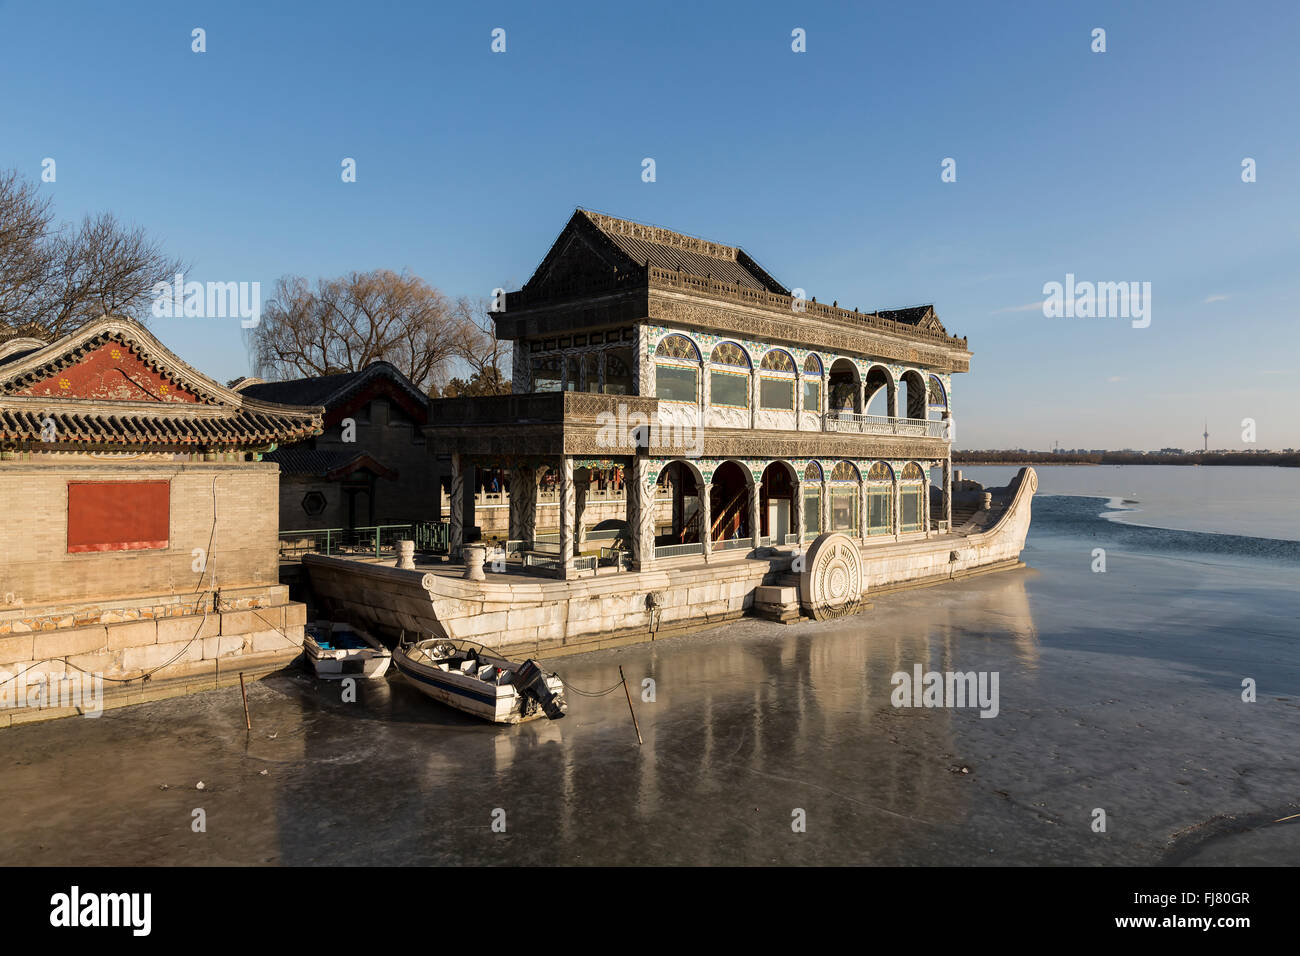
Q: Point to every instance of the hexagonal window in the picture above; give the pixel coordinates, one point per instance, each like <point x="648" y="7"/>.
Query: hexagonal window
<point x="313" y="502"/>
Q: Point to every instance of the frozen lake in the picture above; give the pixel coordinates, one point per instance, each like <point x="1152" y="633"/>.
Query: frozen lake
<point x="1119" y="691"/>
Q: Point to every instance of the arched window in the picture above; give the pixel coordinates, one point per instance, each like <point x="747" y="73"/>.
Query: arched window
<point x="778" y="360"/>
<point x="729" y="376"/>
<point x="812" y="384"/>
<point x="938" y="398"/>
<point x="880" y="499"/>
<point x="912" y="493"/>
<point x="879" y="392"/>
<point x="812" y="500"/>
<point x="777" y="381"/>
<point x="677" y="347"/>
<point x="915" y="387"/>
<point x="677" y="372"/>
<point x="844" y="498"/>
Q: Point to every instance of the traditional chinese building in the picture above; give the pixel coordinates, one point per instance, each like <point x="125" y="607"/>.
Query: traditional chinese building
<point x="369" y="466"/>
<point x="779" y="456"/>
<point x="139" y="531"/>
<point x="768" y="419"/>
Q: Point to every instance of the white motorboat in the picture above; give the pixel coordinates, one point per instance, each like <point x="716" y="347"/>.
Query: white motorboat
<point x="336" y="650"/>
<point x="467" y="676"/>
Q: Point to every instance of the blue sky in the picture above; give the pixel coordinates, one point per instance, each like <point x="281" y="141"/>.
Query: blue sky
<point x="825" y="166"/>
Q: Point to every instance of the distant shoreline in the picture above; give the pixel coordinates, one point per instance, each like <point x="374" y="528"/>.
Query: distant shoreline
<point x="1040" y="459"/>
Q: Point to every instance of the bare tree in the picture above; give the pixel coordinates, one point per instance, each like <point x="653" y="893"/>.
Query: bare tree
<point x="55" y="279"/>
<point x="344" y="324"/>
<point x="485" y="356"/>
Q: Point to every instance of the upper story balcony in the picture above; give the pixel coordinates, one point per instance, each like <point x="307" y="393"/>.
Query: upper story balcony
<point x="884" y="425"/>
<point x="585" y="424"/>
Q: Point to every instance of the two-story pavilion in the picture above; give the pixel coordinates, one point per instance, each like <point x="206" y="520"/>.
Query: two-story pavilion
<point x="768" y="418"/>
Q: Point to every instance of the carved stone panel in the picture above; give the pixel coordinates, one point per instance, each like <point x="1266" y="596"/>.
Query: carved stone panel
<point x="831" y="584"/>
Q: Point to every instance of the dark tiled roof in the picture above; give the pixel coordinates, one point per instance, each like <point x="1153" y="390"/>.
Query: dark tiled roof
<point x="82" y="422"/>
<point x="686" y="260"/>
<point x="908" y="316"/>
<point x="93" y="413"/>
<point x="329" y="390"/>
<point x="315" y="463"/>
<point x="302" y="391"/>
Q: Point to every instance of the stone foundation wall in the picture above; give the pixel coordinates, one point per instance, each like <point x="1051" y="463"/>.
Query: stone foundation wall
<point x="247" y="629"/>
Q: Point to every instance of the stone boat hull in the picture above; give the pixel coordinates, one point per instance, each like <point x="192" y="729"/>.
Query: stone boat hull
<point x="517" y="615"/>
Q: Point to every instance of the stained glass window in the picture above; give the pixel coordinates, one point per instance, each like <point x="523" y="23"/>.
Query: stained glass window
<point x="729" y="353"/>
<point x="778" y="361"/>
<point x="844" y="471"/>
<point x="678" y="347"/>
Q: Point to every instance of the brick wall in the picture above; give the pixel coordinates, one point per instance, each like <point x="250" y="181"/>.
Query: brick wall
<point x="36" y="569"/>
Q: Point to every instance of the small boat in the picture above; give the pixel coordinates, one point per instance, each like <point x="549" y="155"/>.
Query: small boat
<point x="336" y="650"/>
<point x="469" y="677"/>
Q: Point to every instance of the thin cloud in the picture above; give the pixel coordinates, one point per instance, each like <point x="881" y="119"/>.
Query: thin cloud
<point x="1027" y="307"/>
<point x="1215" y="298"/>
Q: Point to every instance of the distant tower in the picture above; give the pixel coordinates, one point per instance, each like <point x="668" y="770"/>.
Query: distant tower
<point x="1207" y="434"/>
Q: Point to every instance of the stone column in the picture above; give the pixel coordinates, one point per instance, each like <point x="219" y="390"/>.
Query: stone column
<point x="706" y="520"/>
<point x="947" y="490"/>
<point x="824" y="505"/>
<point x="706" y="393"/>
<point x="925" y="503"/>
<point x="528" y="525"/>
<point x="641" y="492"/>
<point x="567" y="507"/>
<point x="469" y="482"/>
<point x="862" y="508"/>
<point x="796" y="513"/>
<point x="457" y="530"/>
<point x="753" y="397"/>
<point x="755" y="503"/>
<point x="520" y="373"/>
<point x="798" y="398"/>
<point x="523" y="502"/>
<point x="581" y="484"/>
<point x="898" y="508"/>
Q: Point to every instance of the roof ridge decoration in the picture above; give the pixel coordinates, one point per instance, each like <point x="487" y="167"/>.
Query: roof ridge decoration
<point x="661" y="236"/>
<point x="98" y="393"/>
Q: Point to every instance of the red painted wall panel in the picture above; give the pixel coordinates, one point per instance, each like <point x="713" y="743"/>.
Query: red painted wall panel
<point x="118" y="515"/>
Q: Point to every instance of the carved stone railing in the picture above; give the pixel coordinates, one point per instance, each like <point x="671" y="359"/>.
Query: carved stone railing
<point x="538" y="408"/>
<point x="883" y="425"/>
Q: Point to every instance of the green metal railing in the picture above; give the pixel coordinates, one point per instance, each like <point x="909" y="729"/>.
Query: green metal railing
<point x="376" y="540"/>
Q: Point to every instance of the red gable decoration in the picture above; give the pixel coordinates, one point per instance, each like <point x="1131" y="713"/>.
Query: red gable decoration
<point x="112" y="371"/>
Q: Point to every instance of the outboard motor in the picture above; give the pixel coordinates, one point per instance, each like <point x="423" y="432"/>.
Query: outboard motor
<point x="530" y="680"/>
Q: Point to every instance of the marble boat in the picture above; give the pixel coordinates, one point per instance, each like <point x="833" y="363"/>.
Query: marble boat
<point x="759" y="452"/>
<point x="335" y="650"/>
<point x="467" y="676"/>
